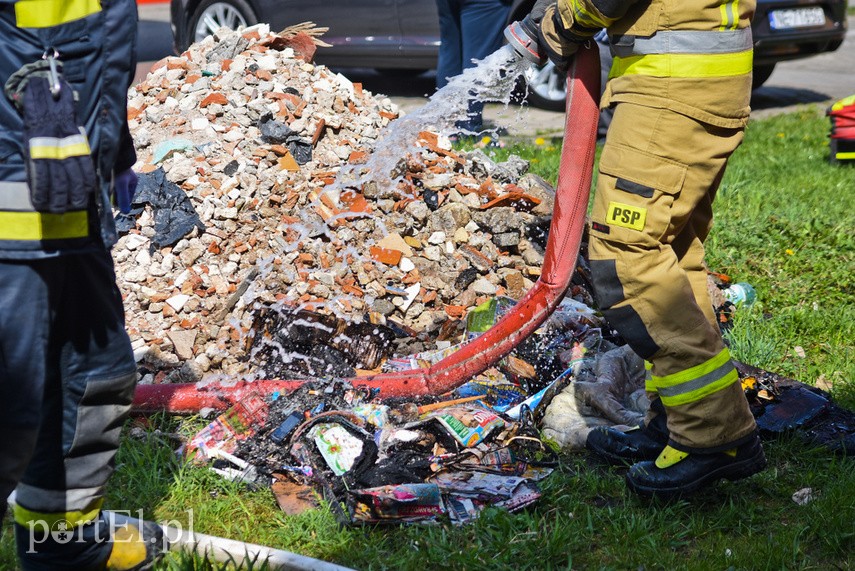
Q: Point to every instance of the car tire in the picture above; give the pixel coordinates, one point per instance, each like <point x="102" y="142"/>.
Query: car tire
<point x="212" y="15"/>
<point x="546" y="87"/>
<point x="761" y="75"/>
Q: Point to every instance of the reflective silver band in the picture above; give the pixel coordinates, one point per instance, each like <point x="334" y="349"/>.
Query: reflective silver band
<point x="698" y="383"/>
<point x="684" y="42"/>
<point x="57" y="501"/>
<point x="64" y="142"/>
<point x="15" y="197"/>
<point x="730" y="18"/>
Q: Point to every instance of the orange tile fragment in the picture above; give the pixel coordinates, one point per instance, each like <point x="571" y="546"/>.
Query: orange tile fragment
<point x="385" y="255"/>
<point x="354" y="202"/>
<point x="288" y="163"/>
<point x="518" y="200"/>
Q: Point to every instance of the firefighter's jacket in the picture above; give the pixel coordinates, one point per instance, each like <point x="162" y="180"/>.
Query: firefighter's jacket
<point x="96" y="43"/>
<point x="691" y="56"/>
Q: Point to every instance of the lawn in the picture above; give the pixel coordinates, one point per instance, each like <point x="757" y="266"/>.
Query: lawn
<point x="784" y="224"/>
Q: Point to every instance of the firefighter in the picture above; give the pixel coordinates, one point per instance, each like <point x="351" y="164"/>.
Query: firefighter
<point x="679" y="86"/>
<point x="67" y="372"/>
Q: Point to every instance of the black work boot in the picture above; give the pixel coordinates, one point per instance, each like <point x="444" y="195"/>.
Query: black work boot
<point x="675" y="473"/>
<point x="619" y="447"/>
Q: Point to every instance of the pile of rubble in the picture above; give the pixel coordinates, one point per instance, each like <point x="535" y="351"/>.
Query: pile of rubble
<point x="254" y="197"/>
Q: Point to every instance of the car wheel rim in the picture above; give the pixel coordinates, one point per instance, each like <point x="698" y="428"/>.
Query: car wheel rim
<point x="546" y="82"/>
<point x="216" y="16"/>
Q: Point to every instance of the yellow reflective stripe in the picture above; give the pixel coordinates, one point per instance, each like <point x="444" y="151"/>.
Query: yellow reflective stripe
<point x="684" y="65"/>
<point x="697" y="382"/>
<point x="29" y="518"/>
<point x="669" y="456"/>
<point x="649" y="386"/>
<point x="47" y="13"/>
<point x="50" y="148"/>
<point x="43" y="225"/>
<point x="844" y="155"/>
<point x="696" y="372"/>
<point x="59" y="152"/>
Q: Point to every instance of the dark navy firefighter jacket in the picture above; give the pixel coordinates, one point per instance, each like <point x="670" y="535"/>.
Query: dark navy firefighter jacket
<point x="96" y="44"/>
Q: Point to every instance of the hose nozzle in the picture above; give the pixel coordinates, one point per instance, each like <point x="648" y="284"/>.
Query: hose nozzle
<point x="523" y="39"/>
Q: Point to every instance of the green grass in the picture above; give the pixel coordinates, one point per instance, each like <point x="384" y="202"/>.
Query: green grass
<point x="784" y="224"/>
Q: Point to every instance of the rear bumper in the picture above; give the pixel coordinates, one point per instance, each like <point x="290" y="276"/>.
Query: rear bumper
<point x="772" y="46"/>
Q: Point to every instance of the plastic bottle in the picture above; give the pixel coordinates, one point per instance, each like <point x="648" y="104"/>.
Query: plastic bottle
<point x="740" y="294"/>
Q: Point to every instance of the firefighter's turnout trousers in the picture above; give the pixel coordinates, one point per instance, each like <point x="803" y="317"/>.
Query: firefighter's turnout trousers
<point x="680" y="84"/>
<point x="67" y="377"/>
<point x="659" y="172"/>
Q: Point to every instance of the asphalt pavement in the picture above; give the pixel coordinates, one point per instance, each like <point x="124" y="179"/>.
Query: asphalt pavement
<point x="819" y="80"/>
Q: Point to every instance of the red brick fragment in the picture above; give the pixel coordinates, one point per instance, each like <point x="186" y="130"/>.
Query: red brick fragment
<point x="319" y="131"/>
<point x="352" y="290"/>
<point x="303" y="45"/>
<point x="357" y="157"/>
<point x="216" y="97"/>
<point x="429" y="137"/>
<point x="133" y="112"/>
<point x="455" y="311"/>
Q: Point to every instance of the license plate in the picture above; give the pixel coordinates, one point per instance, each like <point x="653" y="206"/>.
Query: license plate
<point x="796" y="18"/>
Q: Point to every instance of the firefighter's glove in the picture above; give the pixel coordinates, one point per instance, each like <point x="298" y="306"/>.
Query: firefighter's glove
<point x="559" y="43"/>
<point x="531" y="23"/>
<point x="60" y="169"/>
<point x="124" y="188"/>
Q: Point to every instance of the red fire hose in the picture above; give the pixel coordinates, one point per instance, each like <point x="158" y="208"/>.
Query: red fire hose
<point x="562" y="248"/>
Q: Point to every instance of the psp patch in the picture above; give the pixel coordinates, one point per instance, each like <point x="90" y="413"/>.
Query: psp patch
<point x="627" y="216"/>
